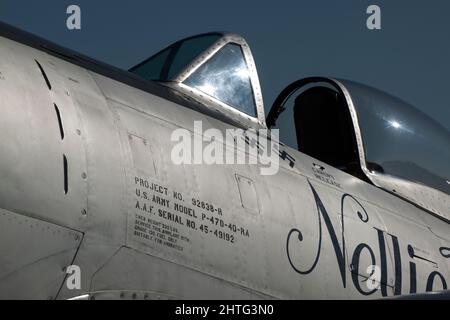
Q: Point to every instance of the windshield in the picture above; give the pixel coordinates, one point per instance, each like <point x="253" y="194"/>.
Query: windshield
<point x="400" y="140"/>
<point x="226" y="78"/>
<point x="168" y="63"/>
<point x="213" y="66"/>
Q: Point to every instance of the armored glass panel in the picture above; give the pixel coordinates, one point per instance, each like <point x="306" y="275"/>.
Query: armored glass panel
<point x="226" y="77"/>
<point x="400" y="139"/>
<point x="151" y="70"/>
<point x="167" y="64"/>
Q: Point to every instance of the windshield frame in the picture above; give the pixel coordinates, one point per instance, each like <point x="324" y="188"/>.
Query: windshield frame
<point x="228" y="38"/>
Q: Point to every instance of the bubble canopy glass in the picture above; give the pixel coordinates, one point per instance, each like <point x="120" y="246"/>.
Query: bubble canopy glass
<point x="399" y="148"/>
<point x="216" y="68"/>
<point x="402" y="140"/>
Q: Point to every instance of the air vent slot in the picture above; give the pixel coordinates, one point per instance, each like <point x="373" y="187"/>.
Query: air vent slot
<point x="44" y="75"/>
<point x="61" y="127"/>
<point x="66" y="175"/>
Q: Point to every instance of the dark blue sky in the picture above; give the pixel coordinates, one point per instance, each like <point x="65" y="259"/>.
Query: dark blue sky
<point x="409" y="57"/>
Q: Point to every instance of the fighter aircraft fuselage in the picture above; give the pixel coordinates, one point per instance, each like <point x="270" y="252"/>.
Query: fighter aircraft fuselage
<point x="87" y="180"/>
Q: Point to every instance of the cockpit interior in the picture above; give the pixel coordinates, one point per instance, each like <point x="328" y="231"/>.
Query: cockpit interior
<point x="324" y="129"/>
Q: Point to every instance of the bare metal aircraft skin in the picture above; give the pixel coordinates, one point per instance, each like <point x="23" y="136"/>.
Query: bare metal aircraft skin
<point x="87" y="180"/>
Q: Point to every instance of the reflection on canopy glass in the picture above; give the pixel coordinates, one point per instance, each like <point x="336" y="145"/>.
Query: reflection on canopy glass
<point x="402" y="140"/>
<point x="226" y="77"/>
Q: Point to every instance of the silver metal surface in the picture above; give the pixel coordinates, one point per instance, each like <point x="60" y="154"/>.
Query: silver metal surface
<point x="34" y="255"/>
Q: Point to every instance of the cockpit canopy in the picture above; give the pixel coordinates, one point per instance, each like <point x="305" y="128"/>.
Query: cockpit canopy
<point x="373" y="136"/>
<point x="214" y="68"/>
<point x="403" y="141"/>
